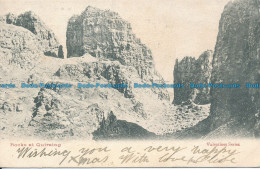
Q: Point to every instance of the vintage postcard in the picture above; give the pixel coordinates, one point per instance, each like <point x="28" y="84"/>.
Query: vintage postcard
<point x="129" y="83"/>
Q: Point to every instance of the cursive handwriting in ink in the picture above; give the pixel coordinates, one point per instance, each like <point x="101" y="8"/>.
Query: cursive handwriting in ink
<point x="214" y="155"/>
<point x="85" y="153"/>
<point x="29" y="153"/>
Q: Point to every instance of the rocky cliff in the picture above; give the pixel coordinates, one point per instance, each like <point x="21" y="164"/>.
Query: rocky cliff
<point x="31" y="22"/>
<point x="139" y="106"/>
<point x="18" y="47"/>
<point x="102" y="50"/>
<point x="105" y="35"/>
<point x="189" y="70"/>
<point x="235" y="111"/>
<point x="236" y="60"/>
<point x="81" y="112"/>
<point x="24" y="40"/>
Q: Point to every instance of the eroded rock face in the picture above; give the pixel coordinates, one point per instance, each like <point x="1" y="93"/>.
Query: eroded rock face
<point x="236" y="60"/>
<point x="57" y="110"/>
<point x="105" y="35"/>
<point x="18" y="47"/>
<point x="75" y="112"/>
<point x="235" y="111"/>
<point x="23" y="41"/>
<point x="55" y="117"/>
<point x="19" y="53"/>
<point x="189" y="70"/>
<point x="31" y="22"/>
<point x="113" y="72"/>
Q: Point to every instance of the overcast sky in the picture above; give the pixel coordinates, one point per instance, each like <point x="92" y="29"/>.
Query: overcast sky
<point x="170" y="28"/>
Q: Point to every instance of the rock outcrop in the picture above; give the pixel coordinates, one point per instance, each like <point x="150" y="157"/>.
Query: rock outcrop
<point x="24" y="40"/>
<point x="77" y="112"/>
<point x="60" y="52"/>
<point x="235" y="111"/>
<point x="82" y="112"/>
<point x="105" y="35"/>
<point x="112" y="128"/>
<point x="236" y="60"/>
<point x="189" y="70"/>
<point x="139" y="106"/>
<point x="57" y="116"/>
<point x="103" y="50"/>
<point x="31" y="22"/>
<point x="18" y="47"/>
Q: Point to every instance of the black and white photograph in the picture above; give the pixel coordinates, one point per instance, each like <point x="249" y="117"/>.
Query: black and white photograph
<point x="115" y="72"/>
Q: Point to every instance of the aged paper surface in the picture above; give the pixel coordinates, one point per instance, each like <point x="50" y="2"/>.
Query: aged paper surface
<point x="191" y="153"/>
<point x="158" y="83"/>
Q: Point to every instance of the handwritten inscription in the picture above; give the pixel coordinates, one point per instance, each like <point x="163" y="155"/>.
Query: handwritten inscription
<point x="131" y="155"/>
<point x="83" y="158"/>
<point x="214" y="155"/>
<point x="27" y="152"/>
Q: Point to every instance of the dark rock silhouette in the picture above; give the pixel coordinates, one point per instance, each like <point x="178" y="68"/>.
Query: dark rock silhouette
<point x="189" y="70"/>
<point x="112" y="128"/>
<point x="236" y="60"/>
<point x="60" y="52"/>
<point x="234" y="111"/>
